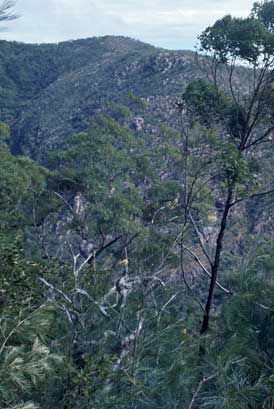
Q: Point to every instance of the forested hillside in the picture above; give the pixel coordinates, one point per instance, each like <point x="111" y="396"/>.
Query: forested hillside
<point x="51" y="91"/>
<point x="136" y="221"/>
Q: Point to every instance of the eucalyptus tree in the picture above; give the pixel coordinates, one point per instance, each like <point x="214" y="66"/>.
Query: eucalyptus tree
<point x="234" y="103"/>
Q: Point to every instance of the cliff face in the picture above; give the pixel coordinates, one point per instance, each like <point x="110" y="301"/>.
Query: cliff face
<point x="52" y="91"/>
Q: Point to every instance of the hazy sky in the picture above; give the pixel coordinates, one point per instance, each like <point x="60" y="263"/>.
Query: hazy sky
<point x="171" y="24"/>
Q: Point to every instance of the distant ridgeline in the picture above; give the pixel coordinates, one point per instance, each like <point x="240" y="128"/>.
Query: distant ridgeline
<point x="51" y="91"/>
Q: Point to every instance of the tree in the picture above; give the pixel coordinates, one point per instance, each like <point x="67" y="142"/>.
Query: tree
<point x="26" y="361"/>
<point x="22" y="182"/>
<point x="242" y="116"/>
<point x="112" y="206"/>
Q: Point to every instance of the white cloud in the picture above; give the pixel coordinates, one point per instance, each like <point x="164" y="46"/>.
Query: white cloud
<point x="173" y="24"/>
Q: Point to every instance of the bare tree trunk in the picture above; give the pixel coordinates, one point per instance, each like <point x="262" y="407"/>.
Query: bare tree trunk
<point x="216" y="263"/>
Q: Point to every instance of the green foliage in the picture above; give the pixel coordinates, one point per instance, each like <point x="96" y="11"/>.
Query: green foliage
<point x="26" y="362"/>
<point x="244" y="342"/>
<point x="122" y="312"/>
<point x="265" y="13"/>
<point x="28" y="69"/>
<point x="237" y="38"/>
<point x="21" y="182"/>
<point x="211" y="106"/>
<point x="4" y="133"/>
<point x="102" y="164"/>
<point x="202" y="97"/>
<point x="18" y="275"/>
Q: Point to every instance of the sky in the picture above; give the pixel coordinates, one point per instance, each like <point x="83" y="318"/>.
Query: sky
<point x="171" y="24"/>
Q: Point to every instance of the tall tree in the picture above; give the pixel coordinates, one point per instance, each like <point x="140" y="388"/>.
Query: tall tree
<point x="242" y="116"/>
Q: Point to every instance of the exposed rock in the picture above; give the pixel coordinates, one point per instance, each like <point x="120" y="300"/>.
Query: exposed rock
<point x="138" y="123"/>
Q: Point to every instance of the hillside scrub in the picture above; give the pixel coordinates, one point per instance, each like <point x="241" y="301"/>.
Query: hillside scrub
<point x="137" y="263"/>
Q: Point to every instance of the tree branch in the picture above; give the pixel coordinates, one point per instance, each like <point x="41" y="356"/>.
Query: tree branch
<point x="254" y="196"/>
<point x="225" y="290"/>
<point x="200" y="239"/>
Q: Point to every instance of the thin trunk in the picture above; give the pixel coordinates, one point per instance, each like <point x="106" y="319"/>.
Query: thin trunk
<point x="216" y="263"/>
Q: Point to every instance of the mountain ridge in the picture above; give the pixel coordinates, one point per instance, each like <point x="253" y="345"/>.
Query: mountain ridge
<point x="51" y="91"/>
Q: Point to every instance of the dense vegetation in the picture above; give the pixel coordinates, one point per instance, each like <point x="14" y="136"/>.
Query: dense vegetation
<point x="51" y="91"/>
<point x="137" y="270"/>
